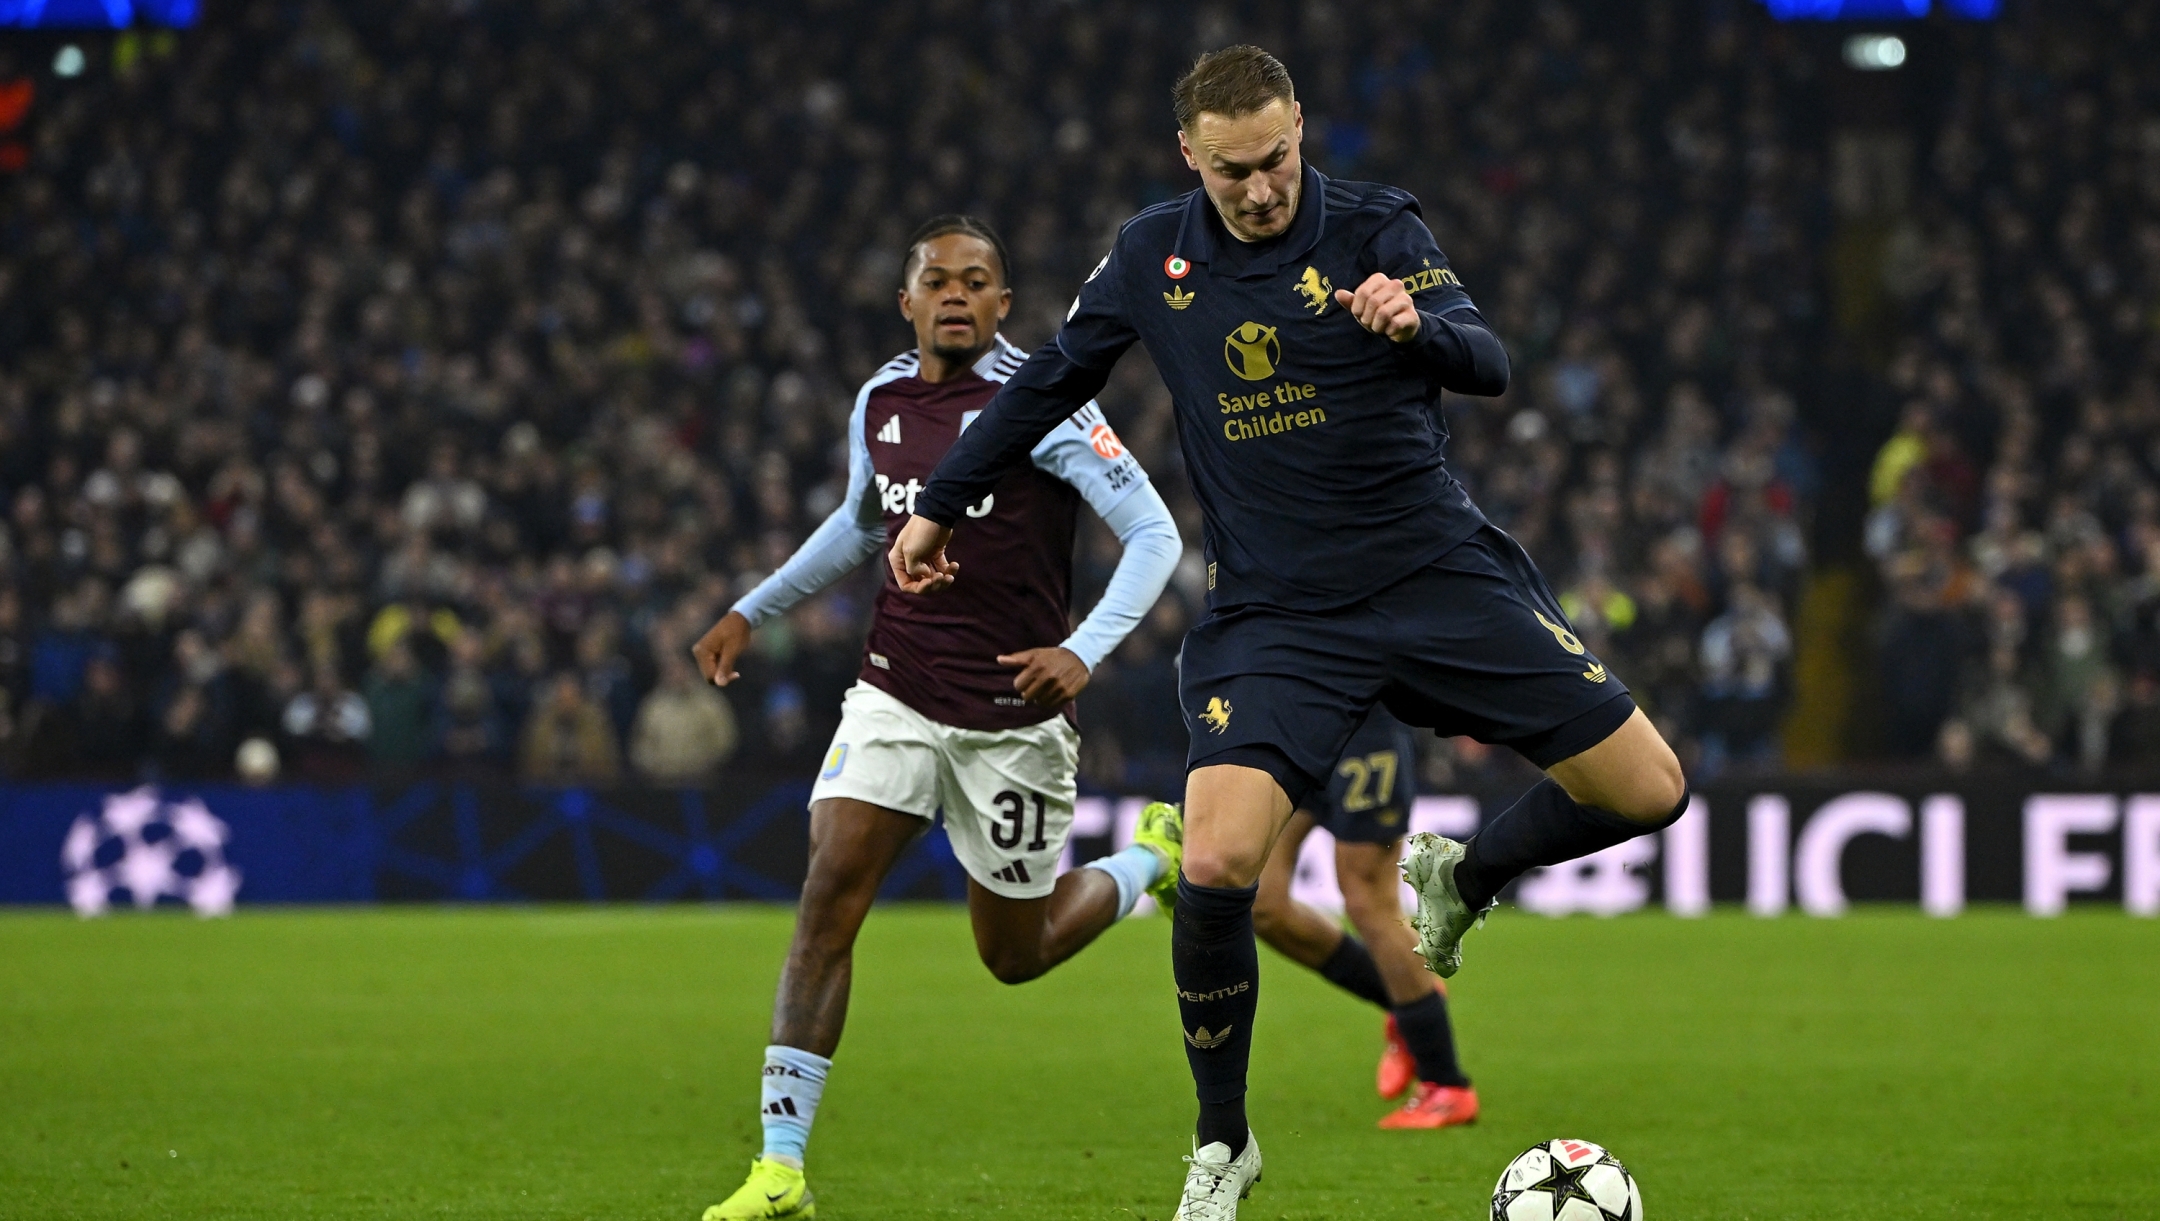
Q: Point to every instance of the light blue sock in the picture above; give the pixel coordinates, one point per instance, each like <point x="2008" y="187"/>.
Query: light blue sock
<point x="1134" y="868"/>
<point x="794" y="1081"/>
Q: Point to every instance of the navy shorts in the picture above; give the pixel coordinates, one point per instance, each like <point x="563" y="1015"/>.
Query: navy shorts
<point x="1473" y="644"/>
<point x="1368" y="795"/>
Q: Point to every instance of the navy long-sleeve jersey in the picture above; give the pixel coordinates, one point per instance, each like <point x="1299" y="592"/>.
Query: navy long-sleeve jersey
<point x="1314" y="445"/>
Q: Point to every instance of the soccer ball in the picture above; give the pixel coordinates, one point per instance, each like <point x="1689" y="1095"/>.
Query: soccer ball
<point x="1566" y="1180"/>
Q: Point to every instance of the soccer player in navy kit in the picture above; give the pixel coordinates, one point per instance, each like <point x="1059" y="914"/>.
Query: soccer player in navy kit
<point x="1305" y="329"/>
<point x="964" y="704"/>
<point x="1364" y="805"/>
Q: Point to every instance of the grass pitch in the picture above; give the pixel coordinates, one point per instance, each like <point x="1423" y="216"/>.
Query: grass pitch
<point x="603" y="1064"/>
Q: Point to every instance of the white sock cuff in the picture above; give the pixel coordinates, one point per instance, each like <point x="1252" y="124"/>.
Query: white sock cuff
<point x="812" y="1067"/>
<point x="1132" y="868"/>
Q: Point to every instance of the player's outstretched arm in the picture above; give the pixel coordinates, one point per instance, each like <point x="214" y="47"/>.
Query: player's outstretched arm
<point x="1037" y="398"/>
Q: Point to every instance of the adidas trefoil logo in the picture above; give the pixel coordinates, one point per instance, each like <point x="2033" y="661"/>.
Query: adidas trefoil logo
<point x="1596" y="673"/>
<point x="1177" y="297"/>
<point x="1208" y="1042"/>
<point x="890" y="434"/>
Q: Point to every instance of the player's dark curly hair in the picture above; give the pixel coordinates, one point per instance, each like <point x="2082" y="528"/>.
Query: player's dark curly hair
<point x="955" y="222"/>
<point x="1230" y="82"/>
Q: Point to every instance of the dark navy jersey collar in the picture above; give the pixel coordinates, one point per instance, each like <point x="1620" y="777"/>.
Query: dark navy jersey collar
<point x="1203" y="239"/>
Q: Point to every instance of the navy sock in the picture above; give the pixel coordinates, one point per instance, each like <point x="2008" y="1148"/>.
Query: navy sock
<point x="1351" y="968"/>
<point x="1545" y="826"/>
<point x="1217" y="966"/>
<point x="1425" y="1027"/>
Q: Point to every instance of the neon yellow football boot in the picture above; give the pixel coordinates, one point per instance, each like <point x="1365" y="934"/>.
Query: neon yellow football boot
<point x="773" y="1192"/>
<point x="1162" y="828"/>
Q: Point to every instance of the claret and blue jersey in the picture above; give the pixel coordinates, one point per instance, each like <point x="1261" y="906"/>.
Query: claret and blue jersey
<point x="1314" y="445"/>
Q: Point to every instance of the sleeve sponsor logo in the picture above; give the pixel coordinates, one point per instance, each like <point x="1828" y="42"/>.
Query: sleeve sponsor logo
<point x="1106" y="442"/>
<point x="1430" y="277"/>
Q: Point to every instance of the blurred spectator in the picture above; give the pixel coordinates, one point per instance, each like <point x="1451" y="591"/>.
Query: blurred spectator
<point x="326" y="729"/>
<point x="1744" y="656"/>
<point x="401" y="711"/>
<point x="108" y="723"/>
<point x="469" y="727"/>
<point x="567" y="737"/>
<point x="685" y="730"/>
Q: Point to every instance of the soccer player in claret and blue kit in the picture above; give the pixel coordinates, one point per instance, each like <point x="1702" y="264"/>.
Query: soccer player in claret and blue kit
<point x="1306" y="328"/>
<point x="964" y="703"/>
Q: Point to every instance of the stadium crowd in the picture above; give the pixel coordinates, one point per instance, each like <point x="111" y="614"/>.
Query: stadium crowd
<point x="407" y="386"/>
<point x="2015" y="518"/>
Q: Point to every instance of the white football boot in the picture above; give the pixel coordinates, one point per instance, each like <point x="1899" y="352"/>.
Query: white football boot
<point x="1218" y="1181"/>
<point x="1442" y="917"/>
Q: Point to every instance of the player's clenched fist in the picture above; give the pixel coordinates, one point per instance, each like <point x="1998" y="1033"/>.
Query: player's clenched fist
<point x="1383" y="306"/>
<point x="718" y="648"/>
<point x="918" y="557"/>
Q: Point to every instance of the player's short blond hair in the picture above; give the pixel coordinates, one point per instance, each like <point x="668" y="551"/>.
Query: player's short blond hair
<point x="1230" y="82"/>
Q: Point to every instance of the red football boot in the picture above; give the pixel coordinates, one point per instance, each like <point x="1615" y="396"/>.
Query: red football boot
<point x="1398" y="1068"/>
<point x="1434" y="1106"/>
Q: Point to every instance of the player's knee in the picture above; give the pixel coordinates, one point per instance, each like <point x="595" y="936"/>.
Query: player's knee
<point x="1012" y="967"/>
<point x="1270" y="914"/>
<point x="1223" y="866"/>
<point x="1659" y="788"/>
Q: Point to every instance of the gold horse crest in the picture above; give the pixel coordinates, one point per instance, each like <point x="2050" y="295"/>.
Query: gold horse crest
<point x="1217" y="715"/>
<point x="1318" y="291"/>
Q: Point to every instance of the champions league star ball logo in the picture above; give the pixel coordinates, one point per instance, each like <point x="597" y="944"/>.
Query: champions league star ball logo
<point x="139" y="848"/>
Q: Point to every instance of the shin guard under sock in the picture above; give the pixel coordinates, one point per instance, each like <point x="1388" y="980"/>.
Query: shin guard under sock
<point x="1431" y="1039"/>
<point x="1545" y="826"/>
<point x="1352" y="969"/>
<point x="1217" y="967"/>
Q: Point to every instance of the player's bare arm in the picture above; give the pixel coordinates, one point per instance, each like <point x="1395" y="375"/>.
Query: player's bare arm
<point x="1383" y="306"/>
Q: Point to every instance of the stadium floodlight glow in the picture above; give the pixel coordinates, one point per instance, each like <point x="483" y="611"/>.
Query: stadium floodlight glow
<point x="68" y="61"/>
<point x="1874" y="52"/>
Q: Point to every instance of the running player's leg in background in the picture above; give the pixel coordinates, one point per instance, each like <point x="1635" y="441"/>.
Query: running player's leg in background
<point x="1372" y="897"/>
<point x="1020" y="939"/>
<point x="853" y="845"/>
<point x="1297" y="931"/>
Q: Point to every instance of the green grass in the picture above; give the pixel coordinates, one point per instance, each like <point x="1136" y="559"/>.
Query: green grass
<point x="603" y="1064"/>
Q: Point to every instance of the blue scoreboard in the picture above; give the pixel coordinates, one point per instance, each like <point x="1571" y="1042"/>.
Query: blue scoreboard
<point x="1879" y="10"/>
<point x="97" y="14"/>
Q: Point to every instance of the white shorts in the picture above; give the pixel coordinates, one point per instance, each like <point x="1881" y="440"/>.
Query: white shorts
<point x="1007" y="793"/>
